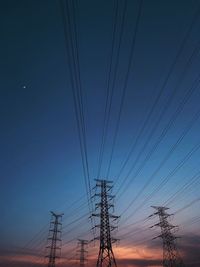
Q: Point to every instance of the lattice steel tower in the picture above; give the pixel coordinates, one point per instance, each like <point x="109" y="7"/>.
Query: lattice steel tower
<point x="106" y="256"/>
<point x="82" y="252"/>
<point x="171" y="257"/>
<point x="54" y="239"/>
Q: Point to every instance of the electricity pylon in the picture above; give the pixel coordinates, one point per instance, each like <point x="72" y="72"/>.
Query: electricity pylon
<point x="106" y="256"/>
<point x="54" y="238"/>
<point x="82" y="252"/>
<point x="171" y="257"/>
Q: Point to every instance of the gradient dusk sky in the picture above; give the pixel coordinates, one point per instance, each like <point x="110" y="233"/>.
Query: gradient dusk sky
<point x="153" y="127"/>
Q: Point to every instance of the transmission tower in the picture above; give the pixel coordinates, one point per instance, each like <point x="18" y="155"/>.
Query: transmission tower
<point x="106" y="256"/>
<point x="171" y="257"/>
<point x="54" y="239"/>
<point x="82" y="252"/>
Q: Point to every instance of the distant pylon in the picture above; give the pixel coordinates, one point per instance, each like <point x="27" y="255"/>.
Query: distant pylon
<point x="54" y="238"/>
<point x="171" y="257"/>
<point x="82" y="252"/>
<point x="106" y="256"/>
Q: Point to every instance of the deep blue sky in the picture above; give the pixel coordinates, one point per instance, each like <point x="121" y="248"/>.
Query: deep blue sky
<point x="41" y="165"/>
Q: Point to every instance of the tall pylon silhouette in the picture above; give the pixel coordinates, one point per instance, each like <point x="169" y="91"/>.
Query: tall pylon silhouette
<point x="82" y="252"/>
<point x="106" y="256"/>
<point x="54" y="239"/>
<point x="171" y="257"/>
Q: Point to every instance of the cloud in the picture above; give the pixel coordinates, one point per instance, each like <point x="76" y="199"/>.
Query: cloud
<point x="140" y="262"/>
<point x="127" y="255"/>
<point x="190" y="247"/>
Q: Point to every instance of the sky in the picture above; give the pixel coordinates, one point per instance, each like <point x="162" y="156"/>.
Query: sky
<point x="147" y="142"/>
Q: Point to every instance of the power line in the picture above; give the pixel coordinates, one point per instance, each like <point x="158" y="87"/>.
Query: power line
<point x="124" y="89"/>
<point x="168" y="125"/>
<point x="158" y="98"/>
<point x="195" y="178"/>
<point x="166" y="178"/>
<point x="109" y="92"/>
<point x="174" y="146"/>
<point x="70" y="33"/>
<point x="188" y="205"/>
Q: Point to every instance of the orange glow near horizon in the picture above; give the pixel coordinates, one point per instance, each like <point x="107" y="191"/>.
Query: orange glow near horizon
<point x="22" y="258"/>
<point x="138" y="252"/>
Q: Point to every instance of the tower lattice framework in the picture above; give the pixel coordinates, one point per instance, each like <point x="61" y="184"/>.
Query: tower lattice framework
<point x="54" y="239"/>
<point x="171" y="257"/>
<point x="106" y="256"/>
<point x="82" y="252"/>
